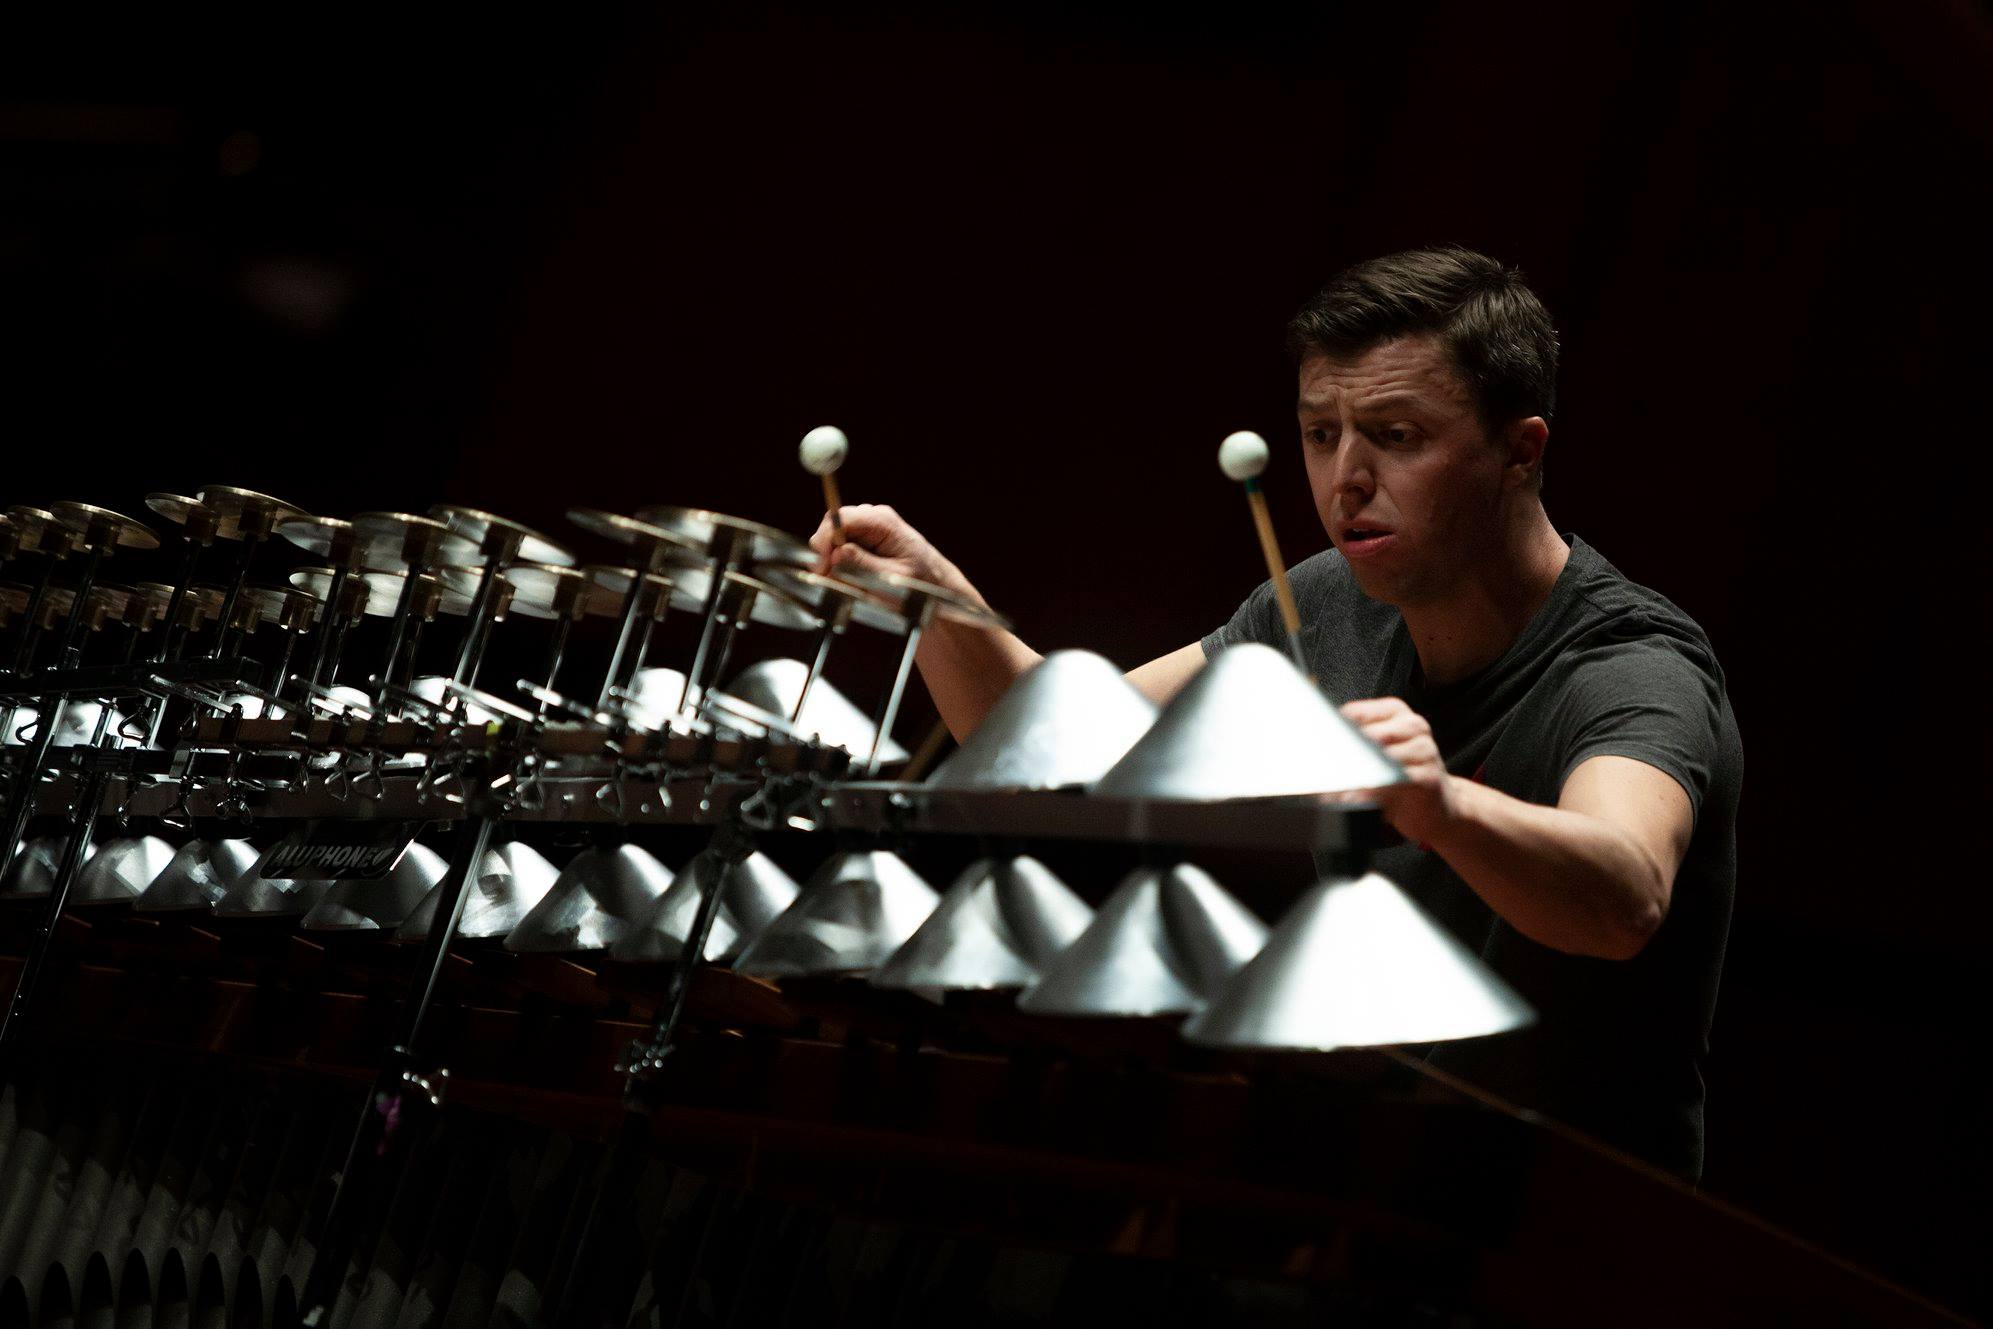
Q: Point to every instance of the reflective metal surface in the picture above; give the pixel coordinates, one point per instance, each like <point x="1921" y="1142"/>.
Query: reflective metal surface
<point x="996" y="927"/>
<point x="120" y="870"/>
<point x="433" y="688"/>
<point x="113" y="527"/>
<point x="598" y="896"/>
<point x="386" y="540"/>
<point x="683" y="588"/>
<point x="1356" y="964"/>
<point x="1065" y="722"/>
<point x="198" y="877"/>
<point x="250" y="896"/>
<point x="754" y="892"/>
<point x="829" y="717"/>
<point x="77" y="727"/>
<point x="479" y="527"/>
<point x="234" y="504"/>
<point x="358" y="904"/>
<point x="854" y="912"/>
<point x="1164" y="943"/>
<point x="944" y="602"/>
<point x="383" y="590"/>
<point x="548" y="590"/>
<point x="512" y="879"/>
<point x="32" y="873"/>
<point x="703" y="526"/>
<point x="871" y="602"/>
<point x="678" y="545"/>
<point x="1248" y="725"/>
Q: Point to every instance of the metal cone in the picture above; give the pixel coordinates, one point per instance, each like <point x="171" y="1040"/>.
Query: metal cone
<point x="1248" y="725"/>
<point x="1065" y="722"/>
<point x="1164" y="943"/>
<point x="594" y="901"/>
<point x="830" y="717"/>
<point x="754" y="892"/>
<point x="853" y="913"/>
<point x="359" y="904"/>
<point x="121" y="870"/>
<point x="198" y="877"/>
<point x="1357" y="964"/>
<point x="996" y="927"/>
<point x="510" y="880"/>
<point x="32" y="873"/>
<point x="251" y="895"/>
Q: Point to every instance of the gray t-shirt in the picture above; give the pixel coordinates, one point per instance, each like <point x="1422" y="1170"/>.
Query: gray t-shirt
<point x="1606" y="666"/>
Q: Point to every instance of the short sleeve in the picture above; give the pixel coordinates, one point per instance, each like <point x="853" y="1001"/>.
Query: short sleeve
<point x="1656" y="699"/>
<point x="1256" y="620"/>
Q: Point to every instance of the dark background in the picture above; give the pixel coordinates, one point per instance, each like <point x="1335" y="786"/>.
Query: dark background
<point x="1037" y="265"/>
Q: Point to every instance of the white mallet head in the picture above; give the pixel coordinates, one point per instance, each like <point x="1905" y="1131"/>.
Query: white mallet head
<point x="1242" y="455"/>
<point x="823" y="449"/>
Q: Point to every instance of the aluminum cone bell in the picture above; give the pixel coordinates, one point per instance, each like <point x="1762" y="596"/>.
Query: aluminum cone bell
<point x="1248" y="725"/>
<point x="1066" y="721"/>
<point x="996" y="927"/>
<point x="1165" y="943"/>
<point x="509" y="881"/>
<point x="32" y="873"/>
<point x="121" y="870"/>
<point x="367" y="904"/>
<point x="1357" y="964"/>
<point x="598" y="897"/>
<point x="198" y="877"/>
<point x="830" y="716"/>
<point x="754" y="892"/>
<point x="251" y="895"/>
<point x="854" y="912"/>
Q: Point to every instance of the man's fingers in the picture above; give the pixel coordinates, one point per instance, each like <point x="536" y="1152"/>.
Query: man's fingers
<point x="1371" y="709"/>
<point x="859" y="559"/>
<point x="1396" y="728"/>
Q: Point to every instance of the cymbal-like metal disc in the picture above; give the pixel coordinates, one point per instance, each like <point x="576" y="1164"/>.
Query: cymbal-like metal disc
<point x="769" y="604"/>
<point x="34" y="525"/>
<point x="630" y="531"/>
<point x="384" y="539"/>
<point x="548" y="590"/>
<point x="95" y="523"/>
<point x="476" y="525"/>
<point x="947" y="604"/>
<point x="686" y="587"/>
<point x="316" y="535"/>
<point x="180" y="509"/>
<point x="874" y="606"/>
<point x="383" y="590"/>
<point x="237" y="504"/>
<point x="704" y="527"/>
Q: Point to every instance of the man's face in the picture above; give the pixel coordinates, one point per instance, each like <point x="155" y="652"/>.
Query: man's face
<point x="1405" y="479"/>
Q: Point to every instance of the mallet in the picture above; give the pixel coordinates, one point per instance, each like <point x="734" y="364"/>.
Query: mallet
<point x="1243" y="456"/>
<point x="823" y="450"/>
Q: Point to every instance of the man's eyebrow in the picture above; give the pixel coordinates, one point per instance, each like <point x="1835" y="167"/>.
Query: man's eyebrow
<point x="1383" y="401"/>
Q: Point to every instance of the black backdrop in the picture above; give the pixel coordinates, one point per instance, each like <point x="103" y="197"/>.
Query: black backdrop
<point x="1037" y="264"/>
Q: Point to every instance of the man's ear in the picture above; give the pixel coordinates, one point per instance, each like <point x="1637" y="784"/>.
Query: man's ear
<point x="1524" y="441"/>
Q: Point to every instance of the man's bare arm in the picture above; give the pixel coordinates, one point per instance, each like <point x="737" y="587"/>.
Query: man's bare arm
<point x="966" y="669"/>
<point x="1593" y="875"/>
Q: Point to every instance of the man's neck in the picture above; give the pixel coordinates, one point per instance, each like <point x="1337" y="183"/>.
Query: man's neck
<point x="1470" y="629"/>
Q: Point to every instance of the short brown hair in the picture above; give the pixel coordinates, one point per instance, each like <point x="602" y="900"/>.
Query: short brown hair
<point x="1497" y="331"/>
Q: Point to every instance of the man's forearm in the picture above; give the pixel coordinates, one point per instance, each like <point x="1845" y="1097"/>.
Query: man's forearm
<point x="968" y="669"/>
<point x="1567" y="879"/>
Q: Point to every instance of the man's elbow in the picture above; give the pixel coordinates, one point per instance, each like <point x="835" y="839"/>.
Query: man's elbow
<point x="1631" y="932"/>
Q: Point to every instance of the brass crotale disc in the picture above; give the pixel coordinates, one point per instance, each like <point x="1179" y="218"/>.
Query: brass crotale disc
<point x="101" y="526"/>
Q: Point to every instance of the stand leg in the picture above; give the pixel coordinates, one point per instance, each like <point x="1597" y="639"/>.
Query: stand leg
<point x="891" y="711"/>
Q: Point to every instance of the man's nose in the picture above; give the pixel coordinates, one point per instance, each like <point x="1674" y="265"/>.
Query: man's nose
<point x="1353" y="477"/>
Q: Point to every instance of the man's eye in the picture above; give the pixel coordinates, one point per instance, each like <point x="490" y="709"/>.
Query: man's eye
<point x="1319" y="437"/>
<point x="1399" y="434"/>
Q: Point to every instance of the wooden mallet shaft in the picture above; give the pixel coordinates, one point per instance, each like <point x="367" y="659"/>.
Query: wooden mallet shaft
<point x="1242" y="456"/>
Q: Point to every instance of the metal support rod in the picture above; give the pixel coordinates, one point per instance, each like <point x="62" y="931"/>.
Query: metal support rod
<point x="21" y="798"/>
<point x="385" y="1125"/>
<point x="476" y="632"/>
<point x="278" y="674"/>
<point x="250" y="540"/>
<point x="922" y="609"/>
<point x="729" y="634"/>
<point x="724" y="548"/>
<point x="82" y="828"/>
<point x="403" y="607"/>
<point x="24" y="649"/>
<point x="833" y="627"/>
<point x="633" y="602"/>
<point x="556" y="651"/>
<point x="315" y="663"/>
<point x="170" y="637"/>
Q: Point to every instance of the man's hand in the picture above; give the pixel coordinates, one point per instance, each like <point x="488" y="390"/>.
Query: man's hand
<point x="878" y="539"/>
<point x="1418" y="808"/>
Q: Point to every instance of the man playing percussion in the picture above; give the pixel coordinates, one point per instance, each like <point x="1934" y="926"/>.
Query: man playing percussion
<point x="1574" y="765"/>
